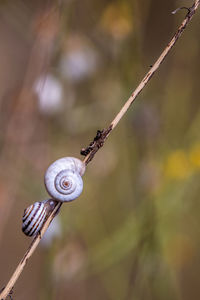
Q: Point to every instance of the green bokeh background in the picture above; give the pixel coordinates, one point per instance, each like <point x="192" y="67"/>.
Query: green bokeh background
<point x="134" y="232"/>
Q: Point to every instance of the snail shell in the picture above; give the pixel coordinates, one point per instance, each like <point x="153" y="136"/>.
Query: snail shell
<point x="35" y="216"/>
<point x="63" y="179"/>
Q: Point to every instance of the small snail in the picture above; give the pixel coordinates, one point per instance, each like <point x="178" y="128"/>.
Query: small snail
<point x="35" y="216"/>
<point x="63" y="179"/>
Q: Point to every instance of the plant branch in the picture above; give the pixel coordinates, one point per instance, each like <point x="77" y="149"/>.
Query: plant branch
<point x="7" y="290"/>
<point x="98" y="142"/>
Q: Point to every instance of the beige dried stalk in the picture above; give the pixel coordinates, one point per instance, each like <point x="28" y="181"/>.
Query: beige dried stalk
<point x="98" y="142"/>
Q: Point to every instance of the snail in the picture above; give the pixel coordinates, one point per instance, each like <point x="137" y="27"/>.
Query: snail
<point x="63" y="179"/>
<point x="64" y="183"/>
<point x="35" y="216"/>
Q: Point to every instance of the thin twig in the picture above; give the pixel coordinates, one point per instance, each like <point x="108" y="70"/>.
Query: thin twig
<point x="106" y="132"/>
<point x="179" y="8"/>
<point x="98" y="142"/>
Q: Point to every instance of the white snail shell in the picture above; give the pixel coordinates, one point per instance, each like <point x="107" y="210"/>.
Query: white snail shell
<point x="63" y="179"/>
<point x="35" y="216"/>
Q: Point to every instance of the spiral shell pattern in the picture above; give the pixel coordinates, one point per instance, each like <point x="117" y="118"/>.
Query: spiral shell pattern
<point x="35" y="216"/>
<point x="63" y="179"/>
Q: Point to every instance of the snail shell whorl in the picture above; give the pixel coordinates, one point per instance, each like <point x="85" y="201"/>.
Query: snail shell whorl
<point x="63" y="179"/>
<point x="35" y="216"/>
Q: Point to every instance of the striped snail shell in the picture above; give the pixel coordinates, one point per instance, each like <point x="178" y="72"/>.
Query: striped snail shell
<point x="35" y="216"/>
<point x="63" y="179"/>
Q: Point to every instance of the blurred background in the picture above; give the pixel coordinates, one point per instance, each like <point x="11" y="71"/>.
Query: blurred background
<point x="66" y="68"/>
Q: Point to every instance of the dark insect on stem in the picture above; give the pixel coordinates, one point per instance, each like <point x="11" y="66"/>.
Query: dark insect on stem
<point x="96" y="144"/>
<point x="87" y="150"/>
<point x="11" y="298"/>
<point x="9" y="295"/>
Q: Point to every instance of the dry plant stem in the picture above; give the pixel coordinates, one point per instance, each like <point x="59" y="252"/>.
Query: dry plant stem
<point x="106" y="132"/>
<point x="98" y="143"/>
<point x="8" y="288"/>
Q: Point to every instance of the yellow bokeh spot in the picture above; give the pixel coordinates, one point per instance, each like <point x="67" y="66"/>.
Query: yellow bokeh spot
<point x="194" y="155"/>
<point x="117" y="20"/>
<point x="177" y="165"/>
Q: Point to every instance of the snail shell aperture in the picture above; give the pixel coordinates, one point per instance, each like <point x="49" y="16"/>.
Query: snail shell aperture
<point x="63" y="179"/>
